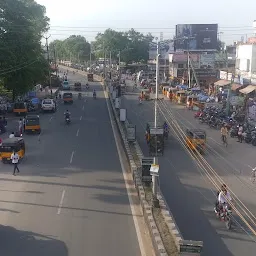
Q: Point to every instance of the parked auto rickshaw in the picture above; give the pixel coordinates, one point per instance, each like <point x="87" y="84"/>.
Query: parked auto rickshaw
<point x="9" y="145"/>
<point x="90" y="77"/>
<point x="165" y="90"/>
<point x="191" y="99"/>
<point x="67" y="97"/>
<point x="20" y="108"/>
<point x="196" y="140"/>
<point x="145" y="94"/>
<point x="155" y="139"/>
<point x="32" y="124"/>
<point x="180" y="97"/>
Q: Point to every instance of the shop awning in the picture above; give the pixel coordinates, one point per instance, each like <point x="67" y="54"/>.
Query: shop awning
<point x="248" y="89"/>
<point x="222" y="82"/>
<point x="235" y="86"/>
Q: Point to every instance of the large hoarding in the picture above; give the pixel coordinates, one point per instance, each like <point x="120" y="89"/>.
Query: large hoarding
<point x="165" y="50"/>
<point x="196" y="37"/>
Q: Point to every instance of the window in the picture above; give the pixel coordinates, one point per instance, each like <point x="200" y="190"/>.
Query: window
<point x="180" y="65"/>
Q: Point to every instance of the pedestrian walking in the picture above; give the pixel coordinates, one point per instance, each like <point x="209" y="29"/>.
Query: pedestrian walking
<point x="240" y="134"/>
<point x="24" y="123"/>
<point x="20" y="126"/>
<point x="15" y="161"/>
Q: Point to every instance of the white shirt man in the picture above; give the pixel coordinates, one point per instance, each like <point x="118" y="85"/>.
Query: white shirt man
<point x="224" y="197"/>
<point x="15" y="158"/>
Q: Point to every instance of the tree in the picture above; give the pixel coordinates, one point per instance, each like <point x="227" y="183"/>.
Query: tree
<point x="22" y="63"/>
<point x="74" y="47"/>
<point x="132" y="45"/>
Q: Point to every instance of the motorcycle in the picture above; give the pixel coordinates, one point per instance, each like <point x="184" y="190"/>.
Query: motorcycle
<point x="225" y="215"/>
<point x="67" y="119"/>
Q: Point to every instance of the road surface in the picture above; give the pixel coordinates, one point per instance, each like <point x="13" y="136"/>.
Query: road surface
<point x="70" y="197"/>
<point x="186" y="188"/>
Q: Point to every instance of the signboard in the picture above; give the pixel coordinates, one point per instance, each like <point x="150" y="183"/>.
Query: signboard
<point x="146" y="163"/>
<point x="156" y="131"/>
<point x="164" y="51"/>
<point x="183" y="57"/>
<point x="122" y="114"/>
<point x="207" y="61"/>
<point x="131" y="132"/>
<point x="154" y="170"/>
<point x="206" y="73"/>
<point x="191" y="248"/>
<point x="196" y="37"/>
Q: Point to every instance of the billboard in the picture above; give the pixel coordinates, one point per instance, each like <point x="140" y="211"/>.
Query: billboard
<point x="165" y="50"/>
<point x="207" y="61"/>
<point x="196" y="37"/>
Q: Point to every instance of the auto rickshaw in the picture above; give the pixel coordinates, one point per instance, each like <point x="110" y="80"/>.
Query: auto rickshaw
<point x="165" y="90"/>
<point x="20" y="108"/>
<point x="155" y="139"/>
<point x="190" y="101"/>
<point x="145" y="94"/>
<point x="32" y="124"/>
<point x="90" y="77"/>
<point x="9" y="145"/>
<point x="196" y="140"/>
<point x="180" y="97"/>
<point x="67" y="97"/>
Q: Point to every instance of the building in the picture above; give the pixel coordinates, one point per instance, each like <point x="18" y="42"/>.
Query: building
<point x="202" y="68"/>
<point x="246" y="60"/>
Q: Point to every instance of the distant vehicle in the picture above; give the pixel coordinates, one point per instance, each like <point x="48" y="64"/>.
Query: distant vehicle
<point x="48" y="105"/>
<point x="65" y="85"/>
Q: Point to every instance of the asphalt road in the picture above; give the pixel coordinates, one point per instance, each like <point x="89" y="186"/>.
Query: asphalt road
<point x="70" y="197"/>
<point x="186" y="188"/>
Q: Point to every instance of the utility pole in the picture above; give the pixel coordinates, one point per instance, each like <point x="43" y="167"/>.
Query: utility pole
<point x="48" y="58"/>
<point x="55" y="59"/>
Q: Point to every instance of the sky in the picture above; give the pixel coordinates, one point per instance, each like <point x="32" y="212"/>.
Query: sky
<point x="87" y="18"/>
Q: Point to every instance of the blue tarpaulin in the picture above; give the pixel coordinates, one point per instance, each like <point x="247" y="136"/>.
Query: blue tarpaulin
<point x="35" y="101"/>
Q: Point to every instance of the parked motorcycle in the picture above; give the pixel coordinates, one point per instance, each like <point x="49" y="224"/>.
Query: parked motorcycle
<point x="67" y="119"/>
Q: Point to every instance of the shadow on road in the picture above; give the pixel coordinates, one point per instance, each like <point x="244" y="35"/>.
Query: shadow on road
<point x="25" y="243"/>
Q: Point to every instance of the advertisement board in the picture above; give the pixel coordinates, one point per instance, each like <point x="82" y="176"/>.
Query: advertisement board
<point x="183" y="57"/>
<point x="207" y="61"/>
<point x="165" y="50"/>
<point x="196" y="37"/>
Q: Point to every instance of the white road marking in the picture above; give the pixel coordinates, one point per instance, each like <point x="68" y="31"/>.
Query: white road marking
<point x="61" y="201"/>
<point x="83" y="108"/>
<point x="136" y="224"/>
<point x="77" y="133"/>
<point x="81" y="118"/>
<point x="71" y="158"/>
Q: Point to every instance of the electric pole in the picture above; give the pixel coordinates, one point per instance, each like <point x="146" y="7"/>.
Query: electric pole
<point x="48" y="58"/>
<point x="55" y="59"/>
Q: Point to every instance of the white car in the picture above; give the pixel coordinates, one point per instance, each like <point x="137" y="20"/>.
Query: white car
<point x="48" y="105"/>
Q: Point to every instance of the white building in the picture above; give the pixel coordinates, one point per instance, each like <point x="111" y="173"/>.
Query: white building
<point x="246" y="60"/>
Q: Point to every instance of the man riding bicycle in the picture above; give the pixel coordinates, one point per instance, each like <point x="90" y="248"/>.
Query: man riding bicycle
<point x="224" y="133"/>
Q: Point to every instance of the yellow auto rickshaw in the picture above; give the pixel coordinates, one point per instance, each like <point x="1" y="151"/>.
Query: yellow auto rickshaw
<point x="20" y="108"/>
<point x="191" y="99"/>
<point x="165" y="90"/>
<point x="145" y="94"/>
<point x="10" y="145"/>
<point x="180" y="97"/>
<point x="67" y="97"/>
<point x="196" y="140"/>
<point x="32" y="124"/>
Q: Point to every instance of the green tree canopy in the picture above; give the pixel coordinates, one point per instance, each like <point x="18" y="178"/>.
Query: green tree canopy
<point x="74" y="47"/>
<point x="132" y="45"/>
<point x="23" y="23"/>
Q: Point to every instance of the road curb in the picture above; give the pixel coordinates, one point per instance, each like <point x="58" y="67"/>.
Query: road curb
<point x="146" y="208"/>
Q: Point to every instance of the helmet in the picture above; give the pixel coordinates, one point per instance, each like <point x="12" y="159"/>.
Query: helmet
<point x="224" y="187"/>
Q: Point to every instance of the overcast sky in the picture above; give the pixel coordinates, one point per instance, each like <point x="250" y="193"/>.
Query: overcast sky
<point x="89" y="17"/>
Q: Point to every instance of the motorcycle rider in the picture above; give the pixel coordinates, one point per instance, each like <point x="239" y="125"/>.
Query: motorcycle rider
<point x="67" y="114"/>
<point x="94" y="93"/>
<point x="166" y="128"/>
<point x="223" y="198"/>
